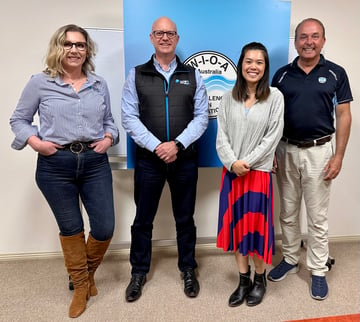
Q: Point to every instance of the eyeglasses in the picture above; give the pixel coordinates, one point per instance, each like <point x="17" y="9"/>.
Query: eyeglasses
<point x="81" y="46"/>
<point x="159" y="34"/>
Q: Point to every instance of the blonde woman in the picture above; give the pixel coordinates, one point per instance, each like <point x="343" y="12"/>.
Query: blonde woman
<point x="76" y="129"/>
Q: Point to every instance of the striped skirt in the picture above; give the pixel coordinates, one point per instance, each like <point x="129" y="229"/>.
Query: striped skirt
<point x="246" y="219"/>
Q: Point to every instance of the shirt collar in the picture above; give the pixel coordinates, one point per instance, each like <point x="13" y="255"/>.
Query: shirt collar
<point x="91" y="79"/>
<point x="321" y="62"/>
<point x="172" y="65"/>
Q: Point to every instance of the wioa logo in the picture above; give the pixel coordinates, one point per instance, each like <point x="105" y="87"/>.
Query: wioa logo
<point x="219" y="74"/>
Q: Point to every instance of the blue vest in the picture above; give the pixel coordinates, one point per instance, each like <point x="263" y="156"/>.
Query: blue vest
<point x="165" y="108"/>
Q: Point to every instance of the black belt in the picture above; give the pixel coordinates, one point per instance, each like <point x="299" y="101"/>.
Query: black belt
<point x="78" y="147"/>
<point x="307" y="144"/>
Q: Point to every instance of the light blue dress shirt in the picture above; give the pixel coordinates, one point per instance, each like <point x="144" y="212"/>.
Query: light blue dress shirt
<point x="136" y="129"/>
<point x="65" y="115"/>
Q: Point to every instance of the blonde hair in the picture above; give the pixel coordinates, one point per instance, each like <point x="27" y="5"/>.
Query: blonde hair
<point x="56" y="51"/>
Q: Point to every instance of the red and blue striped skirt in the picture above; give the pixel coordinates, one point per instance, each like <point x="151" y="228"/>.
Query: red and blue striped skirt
<point x="246" y="219"/>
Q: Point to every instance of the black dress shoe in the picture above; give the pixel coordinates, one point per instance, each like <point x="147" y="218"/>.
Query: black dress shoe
<point x="133" y="291"/>
<point x="191" y="284"/>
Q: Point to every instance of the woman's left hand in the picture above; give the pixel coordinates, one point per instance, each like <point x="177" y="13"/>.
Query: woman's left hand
<point x="240" y="168"/>
<point x="101" y="146"/>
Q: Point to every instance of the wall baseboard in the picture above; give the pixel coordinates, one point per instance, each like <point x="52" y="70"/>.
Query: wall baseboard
<point x="158" y="245"/>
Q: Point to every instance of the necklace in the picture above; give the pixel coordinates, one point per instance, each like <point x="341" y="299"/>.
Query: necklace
<point x="73" y="82"/>
<point x="76" y="84"/>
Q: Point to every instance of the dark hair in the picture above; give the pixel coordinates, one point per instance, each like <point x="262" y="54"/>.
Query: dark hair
<point x="313" y="20"/>
<point x="240" y="90"/>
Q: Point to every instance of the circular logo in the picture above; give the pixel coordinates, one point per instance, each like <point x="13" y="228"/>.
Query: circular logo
<point x="218" y="73"/>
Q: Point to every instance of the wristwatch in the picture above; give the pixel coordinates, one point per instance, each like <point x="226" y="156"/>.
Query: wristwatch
<point x="179" y="145"/>
<point x="109" y="136"/>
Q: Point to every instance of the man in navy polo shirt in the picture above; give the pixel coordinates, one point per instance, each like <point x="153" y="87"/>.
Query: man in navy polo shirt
<point x="315" y="91"/>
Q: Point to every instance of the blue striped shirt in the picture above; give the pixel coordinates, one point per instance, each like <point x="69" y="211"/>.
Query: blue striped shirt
<point x="141" y="135"/>
<point x="64" y="115"/>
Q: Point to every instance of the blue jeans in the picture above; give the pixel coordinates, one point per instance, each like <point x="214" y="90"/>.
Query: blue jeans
<point x="150" y="177"/>
<point x="65" y="177"/>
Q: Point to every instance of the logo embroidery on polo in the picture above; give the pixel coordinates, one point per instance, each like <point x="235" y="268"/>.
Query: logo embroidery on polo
<point x="322" y="80"/>
<point x="218" y="73"/>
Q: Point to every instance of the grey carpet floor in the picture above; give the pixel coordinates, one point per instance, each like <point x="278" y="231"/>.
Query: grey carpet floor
<point x="36" y="289"/>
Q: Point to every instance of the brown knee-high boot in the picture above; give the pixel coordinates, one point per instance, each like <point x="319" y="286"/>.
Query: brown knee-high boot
<point x="95" y="253"/>
<point x="74" y="249"/>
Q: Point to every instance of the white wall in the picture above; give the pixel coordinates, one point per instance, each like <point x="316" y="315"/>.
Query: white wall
<point x="26" y="223"/>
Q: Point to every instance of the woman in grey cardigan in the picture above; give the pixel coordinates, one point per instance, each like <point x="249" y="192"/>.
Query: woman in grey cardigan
<point x="250" y="125"/>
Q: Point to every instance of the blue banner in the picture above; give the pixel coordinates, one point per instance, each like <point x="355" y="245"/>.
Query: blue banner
<point x="212" y="34"/>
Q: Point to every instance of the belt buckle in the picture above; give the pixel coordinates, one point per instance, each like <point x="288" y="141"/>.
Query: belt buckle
<point x="76" y="147"/>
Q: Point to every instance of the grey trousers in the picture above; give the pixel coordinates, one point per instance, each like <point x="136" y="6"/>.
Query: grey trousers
<point x="300" y="175"/>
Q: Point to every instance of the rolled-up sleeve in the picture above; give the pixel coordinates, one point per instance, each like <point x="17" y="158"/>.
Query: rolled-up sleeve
<point x="22" y="118"/>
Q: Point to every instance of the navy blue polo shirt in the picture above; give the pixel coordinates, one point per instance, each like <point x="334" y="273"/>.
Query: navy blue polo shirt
<point x="310" y="99"/>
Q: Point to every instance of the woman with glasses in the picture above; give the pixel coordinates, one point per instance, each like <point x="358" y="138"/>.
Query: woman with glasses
<point x="250" y="124"/>
<point x="76" y="129"/>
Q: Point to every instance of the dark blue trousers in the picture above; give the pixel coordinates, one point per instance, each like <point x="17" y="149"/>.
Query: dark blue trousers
<point x="65" y="177"/>
<point x="150" y="176"/>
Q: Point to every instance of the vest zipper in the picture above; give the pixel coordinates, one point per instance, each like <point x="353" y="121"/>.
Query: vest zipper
<point x="166" y="86"/>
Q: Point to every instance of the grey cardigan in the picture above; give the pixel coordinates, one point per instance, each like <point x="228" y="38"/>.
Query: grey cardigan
<point x="253" y="136"/>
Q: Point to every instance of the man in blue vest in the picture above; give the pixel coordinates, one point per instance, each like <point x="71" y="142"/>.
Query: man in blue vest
<point x="165" y="111"/>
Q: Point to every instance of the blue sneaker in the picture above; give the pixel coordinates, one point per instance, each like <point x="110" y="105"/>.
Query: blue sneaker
<point x="279" y="272"/>
<point x="319" y="289"/>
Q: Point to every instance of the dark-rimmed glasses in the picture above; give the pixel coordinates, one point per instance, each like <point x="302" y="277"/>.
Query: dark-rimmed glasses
<point x="159" y="34"/>
<point x="81" y="46"/>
